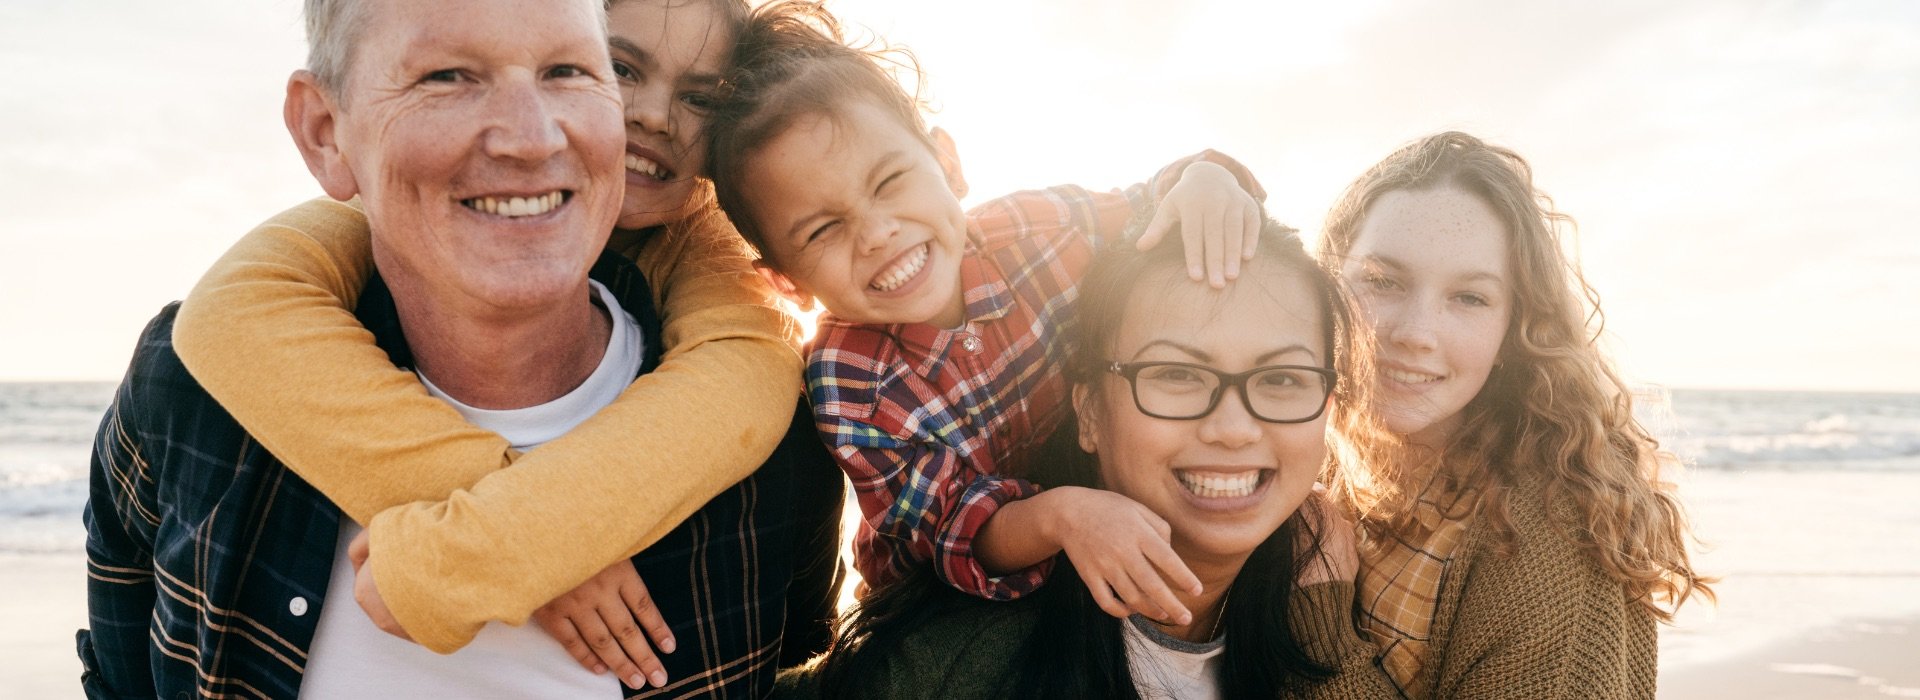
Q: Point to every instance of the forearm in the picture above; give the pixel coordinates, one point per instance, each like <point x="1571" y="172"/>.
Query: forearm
<point x="524" y="535"/>
<point x="1321" y="616"/>
<point x="268" y="332"/>
<point x="1019" y="535"/>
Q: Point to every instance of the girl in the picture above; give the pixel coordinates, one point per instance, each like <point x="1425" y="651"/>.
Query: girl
<point x="1520" y="542"/>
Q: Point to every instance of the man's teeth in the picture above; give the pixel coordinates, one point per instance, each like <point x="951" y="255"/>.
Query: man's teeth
<point x="1409" y="377"/>
<point x="648" y="168"/>
<point x="516" y="206"/>
<point x="909" y="265"/>
<point x="1220" y="486"/>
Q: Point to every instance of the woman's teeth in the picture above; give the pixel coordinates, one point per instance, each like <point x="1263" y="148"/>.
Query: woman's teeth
<point x="648" y="168"/>
<point x="516" y="206"/>
<point x="909" y="265"/>
<point x="1220" y="486"/>
<point x="1409" y="377"/>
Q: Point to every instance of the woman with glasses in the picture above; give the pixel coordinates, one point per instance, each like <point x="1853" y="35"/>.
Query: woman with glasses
<point x="1519" y="541"/>
<point x="1210" y="408"/>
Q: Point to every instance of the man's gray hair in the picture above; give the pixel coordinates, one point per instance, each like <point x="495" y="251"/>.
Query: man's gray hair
<point x="334" y="26"/>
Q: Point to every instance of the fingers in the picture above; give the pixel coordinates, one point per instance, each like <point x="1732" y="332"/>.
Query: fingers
<point x="640" y="603"/>
<point x="1103" y="595"/>
<point x="620" y="647"/>
<point x="1250" y="239"/>
<point x="634" y="654"/>
<point x="1175" y="571"/>
<point x="1155" y="596"/>
<point x="1190" y="240"/>
<point x="1218" y="241"/>
<point x="358" y="549"/>
<point x="1156" y="230"/>
<point x="561" y="630"/>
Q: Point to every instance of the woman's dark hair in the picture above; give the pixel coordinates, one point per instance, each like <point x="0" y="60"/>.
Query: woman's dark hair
<point x="792" y="60"/>
<point x="1076" y="650"/>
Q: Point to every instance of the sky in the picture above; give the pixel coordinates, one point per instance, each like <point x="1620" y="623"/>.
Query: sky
<point x="1744" y="172"/>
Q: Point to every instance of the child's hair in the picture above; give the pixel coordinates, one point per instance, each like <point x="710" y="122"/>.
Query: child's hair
<point x="792" y="61"/>
<point x="1553" y="403"/>
<point x="1075" y="650"/>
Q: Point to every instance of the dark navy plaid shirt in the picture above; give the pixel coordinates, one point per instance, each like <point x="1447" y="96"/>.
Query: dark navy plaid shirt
<point x="208" y="560"/>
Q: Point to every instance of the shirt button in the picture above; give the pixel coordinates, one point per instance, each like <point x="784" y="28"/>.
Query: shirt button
<point x="971" y="343"/>
<point x="297" y="606"/>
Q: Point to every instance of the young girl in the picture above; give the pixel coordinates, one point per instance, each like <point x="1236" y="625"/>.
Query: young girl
<point x="269" y="333"/>
<point x="936" y="367"/>
<point x="1158" y="423"/>
<point x="1520" y="543"/>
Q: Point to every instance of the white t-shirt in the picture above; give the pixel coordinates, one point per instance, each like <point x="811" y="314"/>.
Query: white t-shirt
<point x="1165" y="667"/>
<point x="351" y="658"/>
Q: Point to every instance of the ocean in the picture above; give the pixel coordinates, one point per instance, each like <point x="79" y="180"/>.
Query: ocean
<point x="46" y="433"/>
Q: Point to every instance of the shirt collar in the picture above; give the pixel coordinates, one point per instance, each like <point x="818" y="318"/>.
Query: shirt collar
<point x="987" y="298"/>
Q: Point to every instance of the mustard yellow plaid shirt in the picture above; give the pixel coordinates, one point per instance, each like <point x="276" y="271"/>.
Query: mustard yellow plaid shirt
<point x="1399" y="582"/>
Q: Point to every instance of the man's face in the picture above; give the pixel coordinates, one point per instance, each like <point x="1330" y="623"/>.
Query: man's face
<point x="485" y="139"/>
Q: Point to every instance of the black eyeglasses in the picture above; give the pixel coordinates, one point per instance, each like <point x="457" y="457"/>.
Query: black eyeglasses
<point x="1186" y="391"/>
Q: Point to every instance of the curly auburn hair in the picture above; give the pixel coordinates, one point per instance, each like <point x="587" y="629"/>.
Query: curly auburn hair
<point x="1555" y="402"/>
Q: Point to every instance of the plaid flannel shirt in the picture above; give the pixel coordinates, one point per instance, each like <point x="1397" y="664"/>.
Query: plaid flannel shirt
<point x="931" y="424"/>
<point x="1398" y="587"/>
<point x="208" y="560"/>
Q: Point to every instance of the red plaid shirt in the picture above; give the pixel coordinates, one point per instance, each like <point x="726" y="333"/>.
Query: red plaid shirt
<point x="931" y="424"/>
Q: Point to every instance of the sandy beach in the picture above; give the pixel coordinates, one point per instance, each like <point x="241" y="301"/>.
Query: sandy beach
<point x="1821" y="571"/>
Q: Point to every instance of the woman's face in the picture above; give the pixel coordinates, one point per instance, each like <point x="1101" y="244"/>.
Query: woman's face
<point x="1226" y="481"/>
<point x="669" y="56"/>
<point x="1430" y="270"/>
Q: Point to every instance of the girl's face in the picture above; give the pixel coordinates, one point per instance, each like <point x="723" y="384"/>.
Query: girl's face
<point x="1430" y="269"/>
<point x="669" y="56"/>
<point x="1226" y="481"/>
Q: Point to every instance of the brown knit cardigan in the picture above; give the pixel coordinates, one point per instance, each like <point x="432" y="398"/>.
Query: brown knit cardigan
<point x="1541" y="622"/>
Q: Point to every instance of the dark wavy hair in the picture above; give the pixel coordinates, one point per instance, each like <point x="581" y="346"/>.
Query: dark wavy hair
<point x="1075" y="650"/>
<point x="793" y="60"/>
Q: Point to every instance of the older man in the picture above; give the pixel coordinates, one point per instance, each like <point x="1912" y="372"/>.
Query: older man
<point x="485" y="140"/>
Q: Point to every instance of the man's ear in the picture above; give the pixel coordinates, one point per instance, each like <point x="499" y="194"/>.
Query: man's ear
<point x="1083" y="413"/>
<point x="784" y="285"/>
<point x="949" y="160"/>
<point x="312" y="116"/>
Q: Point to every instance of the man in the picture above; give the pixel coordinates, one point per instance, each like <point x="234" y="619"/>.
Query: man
<point x="214" y="571"/>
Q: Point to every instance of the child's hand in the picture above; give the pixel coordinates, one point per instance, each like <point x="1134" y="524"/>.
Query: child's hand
<point x="1122" y="552"/>
<point x="1219" y="222"/>
<point x="596" y="622"/>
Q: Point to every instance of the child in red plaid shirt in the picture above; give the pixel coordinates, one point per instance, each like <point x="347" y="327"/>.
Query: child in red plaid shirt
<point x="936" y="367"/>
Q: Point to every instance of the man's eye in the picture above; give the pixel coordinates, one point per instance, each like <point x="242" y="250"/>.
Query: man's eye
<point x="444" y="75"/>
<point x="566" y="71"/>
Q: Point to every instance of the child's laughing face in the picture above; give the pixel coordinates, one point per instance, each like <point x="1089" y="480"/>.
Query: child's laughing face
<point x="861" y="213"/>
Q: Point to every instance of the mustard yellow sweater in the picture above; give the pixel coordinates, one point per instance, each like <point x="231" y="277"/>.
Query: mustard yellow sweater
<point x="458" y="539"/>
<point x="1541" y="622"/>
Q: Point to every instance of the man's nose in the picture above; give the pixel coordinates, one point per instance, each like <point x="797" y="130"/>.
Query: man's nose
<point x="525" y="127"/>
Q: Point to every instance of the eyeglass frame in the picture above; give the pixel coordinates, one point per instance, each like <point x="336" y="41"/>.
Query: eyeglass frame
<point x="1130" y="371"/>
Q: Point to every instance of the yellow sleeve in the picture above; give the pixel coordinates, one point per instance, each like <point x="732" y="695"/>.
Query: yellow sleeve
<point x="268" y="332"/>
<point x="713" y="411"/>
<point x="504" y="542"/>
